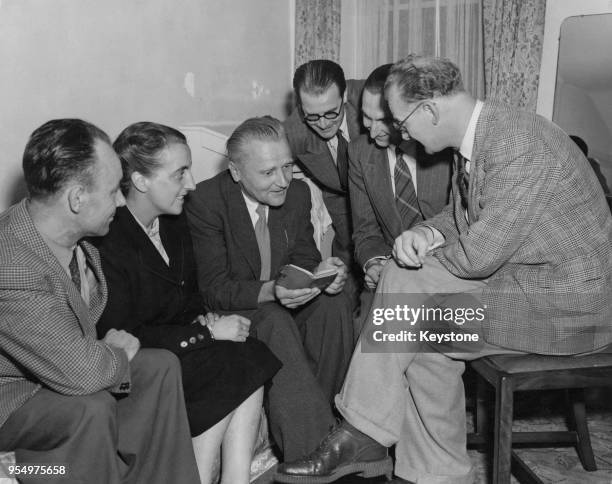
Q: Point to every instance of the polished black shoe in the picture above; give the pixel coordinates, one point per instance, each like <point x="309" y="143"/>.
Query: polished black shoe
<point x="345" y="450"/>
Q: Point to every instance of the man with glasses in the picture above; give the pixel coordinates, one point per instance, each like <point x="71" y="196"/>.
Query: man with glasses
<point x="319" y="131"/>
<point x="392" y="184"/>
<point x="525" y="247"/>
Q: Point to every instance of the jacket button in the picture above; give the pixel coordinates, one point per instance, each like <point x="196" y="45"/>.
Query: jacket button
<point x="182" y="283"/>
<point x="192" y="340"/>
<point x="200" y="336"/>
<point x="183" y="344"/>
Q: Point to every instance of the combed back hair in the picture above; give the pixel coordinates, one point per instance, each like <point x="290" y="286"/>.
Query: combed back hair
<point x="58" y="152"/>
<point x="419" y="77"/>
<point x="316" y="76"/>
<point x="264" y="128"/>
<point x="139" y="146"/>
<point x="375" y="83"/>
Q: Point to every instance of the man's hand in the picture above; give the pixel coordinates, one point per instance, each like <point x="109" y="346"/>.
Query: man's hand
<point x="338" y="283"/>
<point x="293" y="298"/>
<point x="372" y="274"/>
<point x="230" y="328"/>
<point x="410" y="248"/>
<point x="124" y="340"/>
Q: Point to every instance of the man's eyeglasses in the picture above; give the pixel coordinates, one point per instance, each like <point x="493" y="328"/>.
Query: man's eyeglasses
<point x="399" y="125"/>
<point x="313" y="118"/>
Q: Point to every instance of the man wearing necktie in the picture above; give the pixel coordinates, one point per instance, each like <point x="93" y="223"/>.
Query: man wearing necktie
<point x="393" y="184"/>
<point x="97" y="408"/>
<point x="246" y="223"/>
<point x="525" y="265"/>
<point x="319" y="130"/>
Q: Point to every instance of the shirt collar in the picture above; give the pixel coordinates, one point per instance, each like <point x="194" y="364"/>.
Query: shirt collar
<point x="467" y="144"/>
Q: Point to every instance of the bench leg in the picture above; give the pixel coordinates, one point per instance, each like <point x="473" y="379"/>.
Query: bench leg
<point x="502" y="443"/>
<point x="579" y="424"/>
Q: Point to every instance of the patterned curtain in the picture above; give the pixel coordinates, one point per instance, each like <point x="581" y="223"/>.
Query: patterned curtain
<point x="317" y="30"/>
<point x="513" y="33"/>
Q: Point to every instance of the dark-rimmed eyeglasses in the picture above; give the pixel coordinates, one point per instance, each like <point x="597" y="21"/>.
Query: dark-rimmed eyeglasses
<point x="331" y="115"/>
<point x="400" y="125"/>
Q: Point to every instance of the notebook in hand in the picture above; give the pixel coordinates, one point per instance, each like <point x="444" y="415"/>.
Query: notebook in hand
<point x="294" y="277"/>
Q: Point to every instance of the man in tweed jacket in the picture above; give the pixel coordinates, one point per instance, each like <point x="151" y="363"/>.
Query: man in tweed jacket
<point x="59" y="385"/>
<point x="526" y="240"/>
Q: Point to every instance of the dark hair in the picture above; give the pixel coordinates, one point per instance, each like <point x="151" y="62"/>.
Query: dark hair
<point x="139" y="145"/>
<point x="264" y="128"/>
<point x="420" y="77"/>
<point x="581" y="144"/>
<point x="375" y="83"/>
<point x="316" y="76"/>
<point x="59" y="151"/>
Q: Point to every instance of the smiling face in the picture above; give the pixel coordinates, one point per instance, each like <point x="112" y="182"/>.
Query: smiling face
<point x="100" y="201"/>
<point x="329" y="101"/>
<point x="168" y="184"/>
<point x="376" y="119"/>
<point x="264" y="171"/>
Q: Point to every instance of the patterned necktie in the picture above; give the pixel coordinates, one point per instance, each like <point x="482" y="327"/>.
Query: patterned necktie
<point x="463" y="180"/>
<point x="75" y="274"/>
<point x="405" y="195"/>
<point x="342" y="161"/>
<point x="263" y="242"/>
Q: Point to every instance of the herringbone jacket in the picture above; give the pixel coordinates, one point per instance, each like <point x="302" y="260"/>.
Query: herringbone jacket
<point x="47" y="332"/>
<point x="539" y="230"/>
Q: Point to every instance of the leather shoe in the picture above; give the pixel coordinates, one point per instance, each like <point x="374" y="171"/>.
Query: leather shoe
<point x="345" y="450"/>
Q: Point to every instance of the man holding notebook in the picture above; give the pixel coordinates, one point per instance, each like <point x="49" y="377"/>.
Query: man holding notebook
<point x="247" y="223"/>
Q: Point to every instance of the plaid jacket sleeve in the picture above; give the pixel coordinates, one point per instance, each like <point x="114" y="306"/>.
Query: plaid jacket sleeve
<point x="40" y="332"/>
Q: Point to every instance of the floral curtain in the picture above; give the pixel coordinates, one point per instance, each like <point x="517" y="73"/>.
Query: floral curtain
<point x="317" y="30"/>
<point x="513" y="34"/>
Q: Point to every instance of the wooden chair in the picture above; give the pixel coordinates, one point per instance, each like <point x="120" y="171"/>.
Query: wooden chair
<point x="508" y="374"/>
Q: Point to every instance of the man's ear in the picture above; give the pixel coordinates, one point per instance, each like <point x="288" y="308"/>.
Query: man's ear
<point x="139" y="181"/>
<point x="434" y="111"/>
<point x="234" y="171"/>
<point x="76" y="196"/>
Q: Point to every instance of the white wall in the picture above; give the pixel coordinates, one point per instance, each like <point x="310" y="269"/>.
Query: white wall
<point x="114" y="62"/>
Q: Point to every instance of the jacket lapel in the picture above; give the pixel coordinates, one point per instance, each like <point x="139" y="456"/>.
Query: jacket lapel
<point x="150" y="259"/>
<point x="378" y="178"/>
<point x="24" y="229"/>
<point x="242" y="229"/>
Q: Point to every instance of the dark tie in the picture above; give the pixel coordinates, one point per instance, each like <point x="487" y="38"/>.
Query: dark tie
<point x="263" y="242"/>
<point x="405" y="195"/>
<point x="342" y="161"/>
<point x="463" y="180"/>
<point x="75" y="274"/>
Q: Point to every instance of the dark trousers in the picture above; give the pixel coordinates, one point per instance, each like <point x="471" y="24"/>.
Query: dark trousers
<point x="141" y="438"/>
<point x="315" y="344"/>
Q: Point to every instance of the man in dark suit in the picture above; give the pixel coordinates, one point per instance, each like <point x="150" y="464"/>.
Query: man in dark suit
<point x="58" y="382"/>
<point x="379" y="163"/>
<point x="319" y="129"/>
<point x="524" y="249"/>
<point x="246" y="223"/>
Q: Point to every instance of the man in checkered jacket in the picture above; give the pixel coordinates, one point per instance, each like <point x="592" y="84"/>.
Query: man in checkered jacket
<point x="103" y="411"/>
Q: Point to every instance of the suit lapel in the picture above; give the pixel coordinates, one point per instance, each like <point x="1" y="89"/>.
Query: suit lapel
<point x="97" y="294"/>
<point x="378" y="179"/>
<point x="150" y="259"/>
<point x="242" y="229"/>
<point x="24" y="229"/>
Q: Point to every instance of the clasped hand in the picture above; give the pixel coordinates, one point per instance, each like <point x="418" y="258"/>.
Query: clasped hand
<point x="230" y="328"/>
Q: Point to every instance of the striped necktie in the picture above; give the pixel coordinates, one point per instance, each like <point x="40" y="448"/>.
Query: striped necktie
<point x="405" y="195"/>
<point x="262" y="233"/>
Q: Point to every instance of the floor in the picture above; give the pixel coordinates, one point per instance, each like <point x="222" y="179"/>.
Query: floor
<point x="542" y="411"/>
